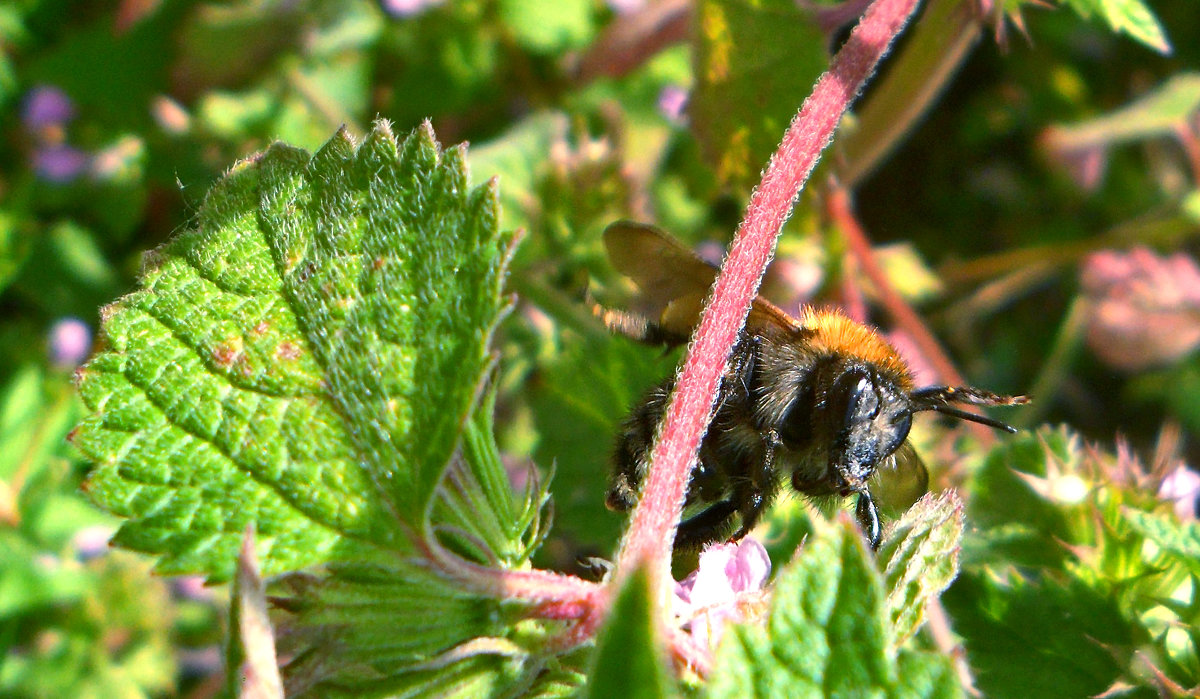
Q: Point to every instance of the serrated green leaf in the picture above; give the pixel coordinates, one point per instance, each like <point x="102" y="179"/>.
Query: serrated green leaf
<point x="477" y="511"/>
<point x="1180" y="540"/>
<point x="1131" y="17"/>
<point x="754" y="64"/>
<point x="518" y="156"/>
<point x="629" y="657"/>
<point x="1067" y="639"/>
<point x="304" y="360"/>
<point x="1007" y="518"/>
<point x="827" y="634"/>
<point x="920" y="559"/>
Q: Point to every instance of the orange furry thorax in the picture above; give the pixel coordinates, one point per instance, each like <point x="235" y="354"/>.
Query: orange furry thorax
<point x="834" y="333"/>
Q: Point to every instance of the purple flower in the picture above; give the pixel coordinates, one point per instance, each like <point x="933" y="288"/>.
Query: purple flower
<point x="45" y="107"/>
<point x="59" y="163"/>
<point x="91" y="542"/>
<point x="1144" y="309"/>
<point x="70" y="343"/>
<point x="1181" y="486"/>
<point x="625" y="7"/>
<point x="408" y="8"/>
<point x="192" y="587"/>
<point x="726" y="587"/>
<point x="671" y="102"/>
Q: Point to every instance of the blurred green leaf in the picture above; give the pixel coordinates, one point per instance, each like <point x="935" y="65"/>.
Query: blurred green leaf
<point x="1007" y="518"/>
<point x="235" y="115"/>
<point x="68" y="273"/>
<point x="629" y="654"/>
<point x="325" y="323"/>
<point x="15" y="244"/>
<point x="31" y="579"/>
<point x="112" y="640"/>
<point x="907" y="272"/>
<point x="1164" y="112"/>
<point x="755" y="62"/>
<point x="1180" y="540"/>
<point x="518" y="158"/>
<point x="1132" y="17"/>
<point x="1038" y="637"/>
<point x="546" y="26"/>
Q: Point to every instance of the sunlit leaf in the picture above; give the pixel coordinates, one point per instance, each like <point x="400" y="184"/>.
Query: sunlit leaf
<point x="303" y="360"/>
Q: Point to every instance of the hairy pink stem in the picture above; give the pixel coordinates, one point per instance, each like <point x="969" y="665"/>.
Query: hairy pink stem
<point x="651" y="534"/>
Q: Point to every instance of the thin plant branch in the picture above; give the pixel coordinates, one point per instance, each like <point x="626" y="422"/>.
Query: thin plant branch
<point x="634" y="38"/>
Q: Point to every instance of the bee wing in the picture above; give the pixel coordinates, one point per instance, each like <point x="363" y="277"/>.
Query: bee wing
<point x="901" y="481"/>
<point x="675" y="282"/>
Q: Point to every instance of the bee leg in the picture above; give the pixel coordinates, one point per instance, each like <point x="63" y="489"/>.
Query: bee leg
<point x="621" y="495"/>
<point x="754" y="493"/>
<point x="868" y="518"/>
<point x="705" y="526"/>
<point x="632" y="453"/>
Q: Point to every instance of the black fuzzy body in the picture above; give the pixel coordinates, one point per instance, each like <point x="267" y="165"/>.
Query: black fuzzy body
<point x="781" y="414"/>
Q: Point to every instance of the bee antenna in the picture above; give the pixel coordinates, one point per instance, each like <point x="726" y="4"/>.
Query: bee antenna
<point x="970" y="417"/>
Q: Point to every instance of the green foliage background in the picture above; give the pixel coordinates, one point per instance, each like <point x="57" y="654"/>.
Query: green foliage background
<point x="166" y="97"/>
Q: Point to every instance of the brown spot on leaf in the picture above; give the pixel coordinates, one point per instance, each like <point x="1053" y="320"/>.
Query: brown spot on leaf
<point x="287" y="350"/>
<point x="228" y="352"/>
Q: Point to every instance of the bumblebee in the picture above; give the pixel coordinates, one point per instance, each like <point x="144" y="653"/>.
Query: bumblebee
<point x="820" y="400"/>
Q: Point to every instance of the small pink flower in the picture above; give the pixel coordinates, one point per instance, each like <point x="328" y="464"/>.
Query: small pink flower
<point x="192" y="587"/>
<point x="91" y="542"/>
<point x="672" y="100"/>
<point x="626" y="7"/>
<point x="408" y="8"/>
<point x="1182" y="486"/>
<point x="70" y="343"/>
<point x="1145" y="308"/>
<point x="726" y="587"/>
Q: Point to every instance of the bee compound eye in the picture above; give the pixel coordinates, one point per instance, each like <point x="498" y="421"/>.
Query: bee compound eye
<point x="900" y="429"/>
<point x="861" y="396"/>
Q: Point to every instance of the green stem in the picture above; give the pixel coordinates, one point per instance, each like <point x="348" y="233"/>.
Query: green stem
<point x="1054" y="371"/>
<point x="1167" y="231"/>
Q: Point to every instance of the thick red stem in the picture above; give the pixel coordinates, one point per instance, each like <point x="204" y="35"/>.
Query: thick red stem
<point x="650" y="538"/>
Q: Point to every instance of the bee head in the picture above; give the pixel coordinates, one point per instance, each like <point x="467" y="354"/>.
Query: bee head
<point x="870" y="418"/>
